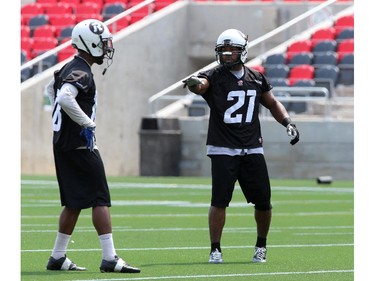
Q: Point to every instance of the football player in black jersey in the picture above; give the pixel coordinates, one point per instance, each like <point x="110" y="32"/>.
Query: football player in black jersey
<point x="79" y="167"/>
<point x="234" y="140"/>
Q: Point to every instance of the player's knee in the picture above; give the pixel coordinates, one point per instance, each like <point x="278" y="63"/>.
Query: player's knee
<point x="219" y="205"/>
<point x="263" y="206"/>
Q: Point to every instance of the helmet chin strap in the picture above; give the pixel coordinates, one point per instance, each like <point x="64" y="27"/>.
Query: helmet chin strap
<point x="84" y="44"/>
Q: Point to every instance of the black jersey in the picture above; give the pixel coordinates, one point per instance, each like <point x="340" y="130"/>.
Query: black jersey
<point x="234" y="107"/>
<point x="66" y="132"/>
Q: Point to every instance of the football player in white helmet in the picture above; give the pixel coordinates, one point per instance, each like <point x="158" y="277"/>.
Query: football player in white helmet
<point x="94" y="38"/>
<point x="234" y="93"/>
<point x="79" y="166"/>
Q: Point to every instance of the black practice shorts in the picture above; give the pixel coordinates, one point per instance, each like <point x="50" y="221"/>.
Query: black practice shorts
<point x="252" y="175"/>
<point x="82" y="180"/>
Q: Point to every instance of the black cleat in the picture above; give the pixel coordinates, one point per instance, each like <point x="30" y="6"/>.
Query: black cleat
<point x="117" y="265"/>
<point x="63" y="264"/>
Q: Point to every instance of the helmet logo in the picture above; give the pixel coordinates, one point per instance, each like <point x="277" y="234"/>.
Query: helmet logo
<point x="227" y="42"/>
<point x="96" y="27"/>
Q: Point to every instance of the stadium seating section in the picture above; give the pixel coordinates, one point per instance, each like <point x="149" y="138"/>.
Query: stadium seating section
<point x="46" y="24"/>
<point x="327" y="57"/>
<point x="329" y="51"/>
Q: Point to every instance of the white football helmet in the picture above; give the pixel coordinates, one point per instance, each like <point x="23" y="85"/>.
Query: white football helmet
<point x="93" y="37"/>
<point x="234" y="38"/>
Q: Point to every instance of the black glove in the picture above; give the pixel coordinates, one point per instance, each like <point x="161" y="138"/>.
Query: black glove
<point x="89" y="134"/>
<point x="292" y="131"/>
<point x="191" y="81"/>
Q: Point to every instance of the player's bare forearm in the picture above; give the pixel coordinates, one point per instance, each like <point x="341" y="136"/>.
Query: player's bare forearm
<point x="278" y="112"/>
<point x="276" y="108"/>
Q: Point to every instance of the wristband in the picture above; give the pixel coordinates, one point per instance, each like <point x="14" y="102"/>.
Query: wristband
<point x="286" y="121"/>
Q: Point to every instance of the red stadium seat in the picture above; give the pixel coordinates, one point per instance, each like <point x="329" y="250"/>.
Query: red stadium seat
<point x="58" y="9"/>
<point x="98" y="3"/>
<point x="62" y="21"/>
<point x="160" y="4"/>
<point x="344" y="47"/>
<point x="26" y="45"/>
<point x="86" y="9"/>
<point x="298" y="72"/>
<point x="66" y="53"/>
<point x="125" y="2"/>
<point x="25" y="31"/>
<point x="120" y="24"/>
<point x="32" y="9"/>
<point x="298" y="47"/>
<point x="327" y="33"/>
<point x="344" y="22"/>
<point x="132" y="3"/>
<point x="140" y="14"/>
<point x="29" y="10"/>
<point x="47" y="1"/>
<point x="42" y="44"/>
<point x="72" y="3"/>
<point x="45" y="31"/>
<point x="81" y="17"/>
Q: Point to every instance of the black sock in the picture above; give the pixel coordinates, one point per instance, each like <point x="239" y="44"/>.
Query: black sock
<point x="215" y="246"/>
<point x="261" y="242"/>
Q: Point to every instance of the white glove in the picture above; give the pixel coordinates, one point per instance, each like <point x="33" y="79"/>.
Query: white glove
<point x="292" y="131"/>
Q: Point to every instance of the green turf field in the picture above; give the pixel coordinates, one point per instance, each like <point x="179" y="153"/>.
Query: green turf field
<point x="160" y="225"/>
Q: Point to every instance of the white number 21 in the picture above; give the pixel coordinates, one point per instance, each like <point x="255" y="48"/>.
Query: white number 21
<point x="229" y="118"/>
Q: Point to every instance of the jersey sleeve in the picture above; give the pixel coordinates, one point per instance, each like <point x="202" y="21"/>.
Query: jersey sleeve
<point x="208" y="73"/>
<point x="266" y="85"/>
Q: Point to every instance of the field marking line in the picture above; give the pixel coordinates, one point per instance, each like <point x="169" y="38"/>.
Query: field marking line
<point x="116" y="185"/>
<point x="224" y="275"/>
<point x="196" y="248"/>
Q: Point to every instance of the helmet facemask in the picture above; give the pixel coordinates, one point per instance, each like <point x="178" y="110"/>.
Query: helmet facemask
<point x="230" y="42"/>
<point x="108" y="51"/>
<point x="223" y="53"/>
<point x="107" y="47"/>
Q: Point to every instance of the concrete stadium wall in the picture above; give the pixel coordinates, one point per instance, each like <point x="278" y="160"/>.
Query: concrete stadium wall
<point x="325" y="148"/>
<point x="150" y="56"/>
